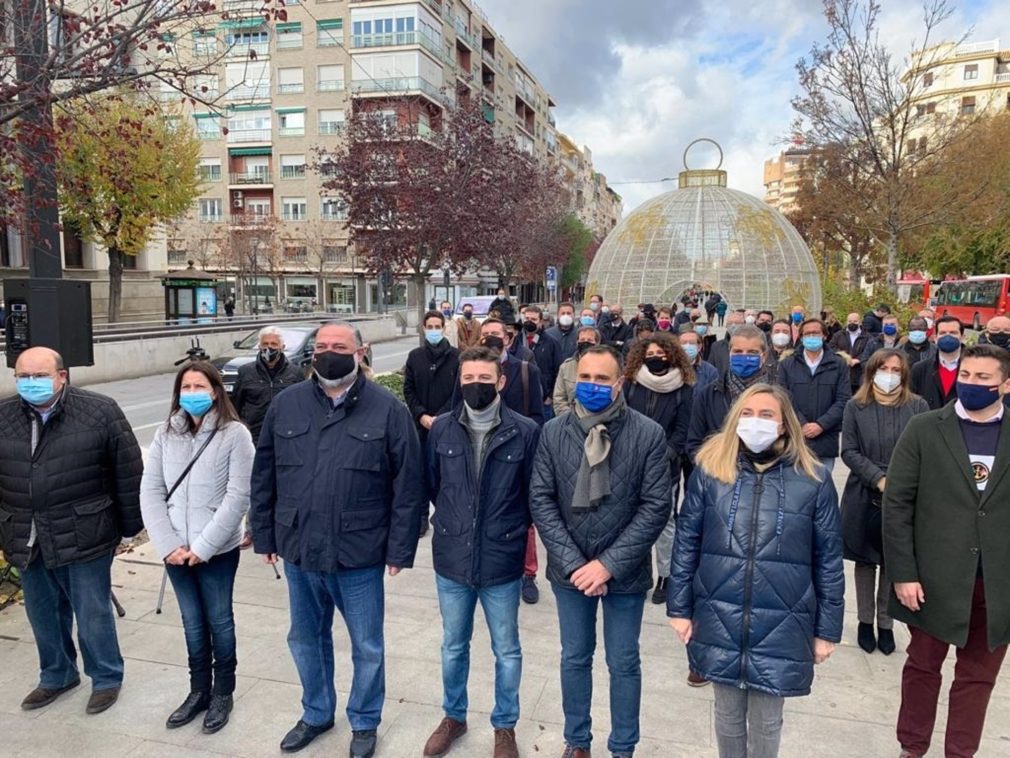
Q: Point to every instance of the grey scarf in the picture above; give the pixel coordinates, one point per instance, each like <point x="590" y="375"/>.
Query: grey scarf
<point x="593" y="481"/>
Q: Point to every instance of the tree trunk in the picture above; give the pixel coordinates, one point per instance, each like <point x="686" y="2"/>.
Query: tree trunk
<point x="892" y="262"/>
<point x="420" y="281"/>
<point x="116" y="257"/>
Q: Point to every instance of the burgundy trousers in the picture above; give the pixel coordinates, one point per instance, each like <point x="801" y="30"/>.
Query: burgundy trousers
<point x="974" y="678"/>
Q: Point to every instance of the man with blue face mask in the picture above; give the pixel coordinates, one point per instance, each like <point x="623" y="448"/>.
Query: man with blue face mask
<point x="935" y="380"/>
<point x="818" y="381"/>
<point x="70" y="472"/>
<point x="918" y="346"/>
<point x="600" y="496"/>
<point x="429" y="377"/>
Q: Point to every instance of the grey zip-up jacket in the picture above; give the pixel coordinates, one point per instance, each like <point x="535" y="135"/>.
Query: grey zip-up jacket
<point x="206" y="509"/>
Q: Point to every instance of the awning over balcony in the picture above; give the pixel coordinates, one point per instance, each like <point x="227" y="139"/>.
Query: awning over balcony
<point x="246" y="151"/>
<point x="300" y="109"/>
<point x="242" y="23"/>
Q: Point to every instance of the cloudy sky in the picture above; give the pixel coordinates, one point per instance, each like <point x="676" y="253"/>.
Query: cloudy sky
<point x="637" y="80"/>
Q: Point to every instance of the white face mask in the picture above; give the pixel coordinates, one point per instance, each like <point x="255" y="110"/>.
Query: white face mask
<point x="758" y="434"/>
<point x="886" y="382"/>
<point x="565" y="320"/>
<point x="781" y="340"/>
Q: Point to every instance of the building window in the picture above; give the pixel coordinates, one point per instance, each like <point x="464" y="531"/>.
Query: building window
<point x="290" y="81"/>
<point x="295" y="253"/>
<point x="210" y="209"/>
<point x="329" y="32"/>
<point x="292" y="123"/>
<point x="334" y="252"/>
<point x="204" y="42"/>
<point x="333" y="209"/>
<point x="73" y="246"/>
<point x="249" y="126"/>
<point x="289" y="36"/>
<point x="258" y="207"/>
<point x="971" y="72"/>
<point x="967" y="106"/>
<point x="294" y="208"/>
<point x="331" y="121"/>
<point x="241" y="43"/>
<point x="329" y="78"/>
<point x="210" y="169"/>
<point x="927" y="79"/>
<point x="292" y="167"/>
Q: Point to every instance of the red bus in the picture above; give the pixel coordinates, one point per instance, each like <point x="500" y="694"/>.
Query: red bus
<point x="974" y="300"/>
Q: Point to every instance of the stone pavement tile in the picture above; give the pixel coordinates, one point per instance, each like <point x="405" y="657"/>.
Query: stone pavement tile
<point x="23" y="737"/>
<point x="812" y="736"/>
<point x="155" y="749"/>
<point x="19" y="673"/>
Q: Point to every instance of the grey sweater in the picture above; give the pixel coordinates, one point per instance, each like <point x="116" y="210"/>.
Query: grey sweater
<point x="479" y="425"/>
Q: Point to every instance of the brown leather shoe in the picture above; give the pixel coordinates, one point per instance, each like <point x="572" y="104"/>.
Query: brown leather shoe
<point x="102" y="700"/>
<point x="696" y="680"/>
<point x="576" y="752"/>
<point x="505" y="743"/>
<point x="41" y="697"/>
<point x="442" y="738"/>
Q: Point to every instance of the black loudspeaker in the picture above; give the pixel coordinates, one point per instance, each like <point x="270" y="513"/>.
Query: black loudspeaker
<point x="54" y="313"/>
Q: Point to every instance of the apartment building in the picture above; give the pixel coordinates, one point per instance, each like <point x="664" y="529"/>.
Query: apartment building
<point x="287" y="88"/>
<point x="587" y="192"/>
<point x="782" y="176"/>
<point x="958" y="79"/>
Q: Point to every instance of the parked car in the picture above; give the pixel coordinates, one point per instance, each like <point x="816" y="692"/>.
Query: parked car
<point x="481" y="304"/>
<point x="299" y="341"/>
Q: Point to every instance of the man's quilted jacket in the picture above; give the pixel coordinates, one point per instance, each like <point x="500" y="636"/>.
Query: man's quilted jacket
<point x="620" y="532"/>
<point x="81" y="485"/>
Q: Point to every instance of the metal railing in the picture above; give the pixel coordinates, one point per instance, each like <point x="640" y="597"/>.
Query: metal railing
<point x="399" y="84"/>
<point x="331" y="127"/>
<point x="249" y="135"/>
<point x="973" y="48"/>
<point x="243" y="92"/>
<point x="291" y="89"/>
<point x="251" y="177"/>
<point x="1003" y="78"/>
<point x="291" y="131"/>
<point x="329" y="85"/>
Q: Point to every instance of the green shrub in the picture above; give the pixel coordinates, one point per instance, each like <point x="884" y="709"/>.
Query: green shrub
<point x="392" y="382"/>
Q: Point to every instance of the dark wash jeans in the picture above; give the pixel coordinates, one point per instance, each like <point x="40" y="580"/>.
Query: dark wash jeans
<point x="53" y="598"/>
<point x="622" y="626"/>
<point x="204" y="593"/>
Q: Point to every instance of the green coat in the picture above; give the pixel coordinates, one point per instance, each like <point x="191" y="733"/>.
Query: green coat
<point x="936" y="523"/>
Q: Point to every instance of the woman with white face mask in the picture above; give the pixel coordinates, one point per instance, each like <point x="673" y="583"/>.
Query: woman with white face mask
<point x="871" y="425"/>
<point x="757" y="586"/>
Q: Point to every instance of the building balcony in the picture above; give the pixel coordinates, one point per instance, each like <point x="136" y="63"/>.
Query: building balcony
<point x="211" y="218"/>
<point x="244" y="178"/>
<point x="974" y="48"/>
<point x="243" y="7"/>
<point x="1003" y="78"/>
<point x="330" y="128"/>
<point x="330" y="85"/>
<point x="290" y="89"/>
<point x="249" y="135"/>
<point x="293" y="172"/>
<point x="399" y="86"/>
<point x="333" y="215"/>
<point x="294" y="215"/>
<point x="291" y="131"/>
<point x="242" y="49"/>
<point x="489" y="58"/>
<point x="289" y="44"/>
<point x="398" y="39"/>
<point x="247" y="93"/>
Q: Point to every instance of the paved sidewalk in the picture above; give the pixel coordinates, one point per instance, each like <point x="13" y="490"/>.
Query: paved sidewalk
<point x="850" y="713"/>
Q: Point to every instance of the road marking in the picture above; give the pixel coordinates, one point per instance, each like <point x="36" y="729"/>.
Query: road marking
<point x="138" y="406"/>
<point x="148" y="426"/>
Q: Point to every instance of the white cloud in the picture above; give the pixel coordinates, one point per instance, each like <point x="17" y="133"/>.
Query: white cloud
<point x="637" y="85"/>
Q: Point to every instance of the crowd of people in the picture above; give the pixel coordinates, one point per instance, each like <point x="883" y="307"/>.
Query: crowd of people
<point x="657" y="463"/>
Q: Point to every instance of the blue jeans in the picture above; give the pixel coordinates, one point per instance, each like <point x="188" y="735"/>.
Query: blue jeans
<point x="204" y="593"/>
<point x="359" y="596"/>
<point x="622" y="625"/>
<point x="457" y="603"/>
<point x="53" y="598"/>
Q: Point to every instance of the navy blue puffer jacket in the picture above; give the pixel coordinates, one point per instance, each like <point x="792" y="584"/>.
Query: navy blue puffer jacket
<point x="757" y="565"/>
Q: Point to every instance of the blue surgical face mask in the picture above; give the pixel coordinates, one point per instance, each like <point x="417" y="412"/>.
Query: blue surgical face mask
<point x="36" y="390"/>
<point x="434" y="336"/>
<point x="890" y="329"/>
<point x="948" y="343"/>
<point x="797" y="318"/>
<point x="813" y="344"/>
<point x="701" y="330"/>
<point x="692" y="351"/>
<point x="587" y="321"/>
<point x="745" y="366"/>
<point x="594" y="397"/>
<point x="916" y="336"/>
<point x="195" y="403"/>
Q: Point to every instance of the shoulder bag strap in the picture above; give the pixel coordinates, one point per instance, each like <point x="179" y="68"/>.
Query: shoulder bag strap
<point x="190" y="465"/>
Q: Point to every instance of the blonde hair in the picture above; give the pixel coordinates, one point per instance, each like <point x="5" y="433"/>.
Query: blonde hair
<point x="718" y="456"/>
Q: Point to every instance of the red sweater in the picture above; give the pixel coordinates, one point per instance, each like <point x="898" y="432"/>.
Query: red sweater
<point x="947" y="378"/>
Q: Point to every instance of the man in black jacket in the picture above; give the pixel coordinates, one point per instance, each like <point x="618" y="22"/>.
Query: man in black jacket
<point x="546" y="351"/>
<point x="429" y="375"/>
<point x="479" y="459"/>
<point x="852" y="341"/>
<point x="616" y="332"/>
<point x="600" y="497"/>
<point x="819" y="383"/>
<point x="70" y="472"/>
<point x="935" y="381"/>
<point x="337" y="492"/>
<point x="503" y="306"/>
<point x="565" y="331"/>
<point x="260" y="381"/>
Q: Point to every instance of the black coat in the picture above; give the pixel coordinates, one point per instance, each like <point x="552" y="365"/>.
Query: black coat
<point x="615" y="334"/>
<point x="481" y="518"/>
<point x="915" y="353"/>
<point x="525" y="398"/>
<point x="338" y="487"/>
<point x="621" y="531"/>
<point x="869" y="434"/>
<point x="820" y="398"/>
<point x="257" y="386"/>
<point x="926" y="384"/>
<point x="757" y="566"/>
<point x="671" y="410"/>
<point x="568" y="339"/>
<point x="708" y="410"/>
<point x="547" y="352"/>
<point x="429" y="378"/>
<point x="840" y="343"/>
<point x="718" y="355"/>
<point x="81" y="486"/>
<point x="872" y="323"/>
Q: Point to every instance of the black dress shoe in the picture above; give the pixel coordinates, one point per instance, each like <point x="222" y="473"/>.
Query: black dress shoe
<point x="885" y="641"/>
<point x="42" y="696"/>
<point x="363" y="744"/>
<point x="217" y="713"/>
<point x="659" y="594"/>
<point x="865" y="638"/>
<point x="302" y="735"/>
<point x="194" y="704"/>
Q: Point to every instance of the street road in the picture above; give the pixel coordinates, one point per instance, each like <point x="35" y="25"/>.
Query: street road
<point x="146" y="401"/>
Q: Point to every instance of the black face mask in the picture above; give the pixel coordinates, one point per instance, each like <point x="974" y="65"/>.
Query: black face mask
<point x="657" y="364"/>
<point x="492" y="342"/>
<point x="582" y="347"/>
<point x="853" y="327"/>
<point x="764" y="326"/>
<point x="269" y="355"/>
<point x="999" y="339"/>
<point x="468" y="315"/>
<point x="333" y="366"/>
<point x="529" y="327"/>
<point x="479" y="395"/>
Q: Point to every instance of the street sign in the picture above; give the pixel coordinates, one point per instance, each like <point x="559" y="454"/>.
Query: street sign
<point x="552" y="277"/>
